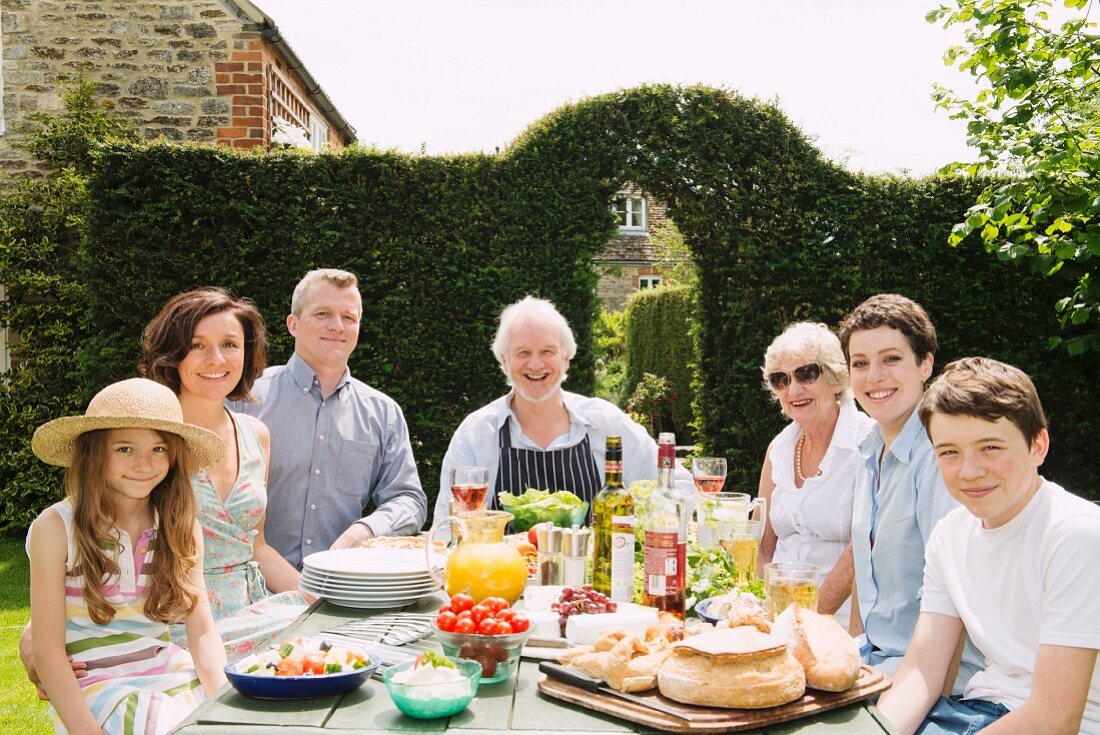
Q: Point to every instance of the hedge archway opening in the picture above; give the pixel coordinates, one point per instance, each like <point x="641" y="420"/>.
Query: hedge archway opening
<point x="442" y="244"/>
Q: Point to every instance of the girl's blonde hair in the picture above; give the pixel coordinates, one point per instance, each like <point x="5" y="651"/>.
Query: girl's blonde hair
<point x="170" y="594"/>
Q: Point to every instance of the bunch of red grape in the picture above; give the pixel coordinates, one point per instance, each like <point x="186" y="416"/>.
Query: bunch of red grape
<point x="581" y="601"/>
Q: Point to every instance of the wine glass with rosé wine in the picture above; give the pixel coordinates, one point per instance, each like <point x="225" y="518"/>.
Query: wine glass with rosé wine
<point x="709" y="474"/>
<point x="469" y="489"/>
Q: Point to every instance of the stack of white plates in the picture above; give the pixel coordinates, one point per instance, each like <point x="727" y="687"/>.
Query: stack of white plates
<point x="376" y="579"/>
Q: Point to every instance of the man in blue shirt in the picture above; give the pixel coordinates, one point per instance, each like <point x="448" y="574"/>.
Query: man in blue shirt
<point x="336" y="443"/>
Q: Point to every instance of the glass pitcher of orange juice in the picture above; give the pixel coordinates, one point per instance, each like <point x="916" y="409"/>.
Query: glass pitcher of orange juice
<point x="482" y="564"/>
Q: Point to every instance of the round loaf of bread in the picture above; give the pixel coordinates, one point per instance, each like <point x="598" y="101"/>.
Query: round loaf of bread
<point x="732" y="667"/>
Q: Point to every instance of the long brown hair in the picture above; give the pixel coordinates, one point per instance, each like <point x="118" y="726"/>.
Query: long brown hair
<point x="170" y="595"/>
<point x="167" y="338"/>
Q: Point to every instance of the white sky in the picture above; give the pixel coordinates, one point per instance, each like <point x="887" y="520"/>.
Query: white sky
<point x="456" y="76"/>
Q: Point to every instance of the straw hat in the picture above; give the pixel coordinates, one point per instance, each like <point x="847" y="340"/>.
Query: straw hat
<point x="137" y="403"/>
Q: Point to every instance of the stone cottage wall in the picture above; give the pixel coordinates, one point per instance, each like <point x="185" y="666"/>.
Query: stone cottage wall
<point x="629" y="256"/>
<point x="187" y="70"/>
<point x="154" y="63"/>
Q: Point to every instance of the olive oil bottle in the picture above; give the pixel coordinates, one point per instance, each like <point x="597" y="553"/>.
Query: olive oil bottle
<point x="613" y="530"/>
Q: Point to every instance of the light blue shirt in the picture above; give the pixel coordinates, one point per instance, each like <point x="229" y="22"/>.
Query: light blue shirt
<point x="476" y="442"/>
<point x="329" y="457"/>
<point x="896" y="506"/>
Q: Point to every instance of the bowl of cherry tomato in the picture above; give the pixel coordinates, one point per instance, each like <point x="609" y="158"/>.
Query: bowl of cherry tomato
<point x="489" y="632"/>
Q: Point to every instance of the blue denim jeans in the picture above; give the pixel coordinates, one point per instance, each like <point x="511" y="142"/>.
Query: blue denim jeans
<point x="955" y="716"/>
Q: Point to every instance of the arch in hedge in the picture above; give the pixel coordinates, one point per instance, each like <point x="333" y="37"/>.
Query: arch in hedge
<point x="441" y="244"/>
<point x="780" y="234"/>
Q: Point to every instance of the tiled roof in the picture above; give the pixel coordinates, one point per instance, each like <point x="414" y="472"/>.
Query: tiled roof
<point x="628" y="249"/>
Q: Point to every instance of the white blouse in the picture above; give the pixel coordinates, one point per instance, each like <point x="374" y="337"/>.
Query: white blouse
<point x="814" y="523"/>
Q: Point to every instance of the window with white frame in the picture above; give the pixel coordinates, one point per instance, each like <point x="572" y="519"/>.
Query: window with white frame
<point x="318" y="133"/>
<point x="629" y="212"/>
<point x="649" y="281"/>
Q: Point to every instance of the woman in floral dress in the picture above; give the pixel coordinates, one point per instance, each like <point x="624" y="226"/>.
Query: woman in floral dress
<point x="208" y="347"/>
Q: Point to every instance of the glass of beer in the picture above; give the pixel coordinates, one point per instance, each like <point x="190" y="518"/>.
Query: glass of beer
<point x="787" y="582"/>
<point x="741" y="540"/>
<point x="469" y="489"/>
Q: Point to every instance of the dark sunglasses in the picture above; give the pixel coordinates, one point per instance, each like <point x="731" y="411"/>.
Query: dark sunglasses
<point x="804" y="374"/>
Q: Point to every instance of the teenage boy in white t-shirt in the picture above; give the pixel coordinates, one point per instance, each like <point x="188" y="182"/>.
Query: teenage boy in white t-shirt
<point x="1017" y="566"/>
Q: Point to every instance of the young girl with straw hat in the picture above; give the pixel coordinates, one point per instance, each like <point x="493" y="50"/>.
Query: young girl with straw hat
<point x="128" y="565"/>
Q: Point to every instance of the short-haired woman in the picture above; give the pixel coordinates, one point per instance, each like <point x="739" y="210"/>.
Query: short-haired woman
<point x="809" y="470"/>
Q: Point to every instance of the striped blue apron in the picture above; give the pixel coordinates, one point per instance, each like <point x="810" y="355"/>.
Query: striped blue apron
<point x="573" y="469"/>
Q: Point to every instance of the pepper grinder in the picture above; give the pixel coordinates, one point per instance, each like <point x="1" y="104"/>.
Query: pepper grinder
<point x="575" y="555"/>
<point x="549" y="559"/>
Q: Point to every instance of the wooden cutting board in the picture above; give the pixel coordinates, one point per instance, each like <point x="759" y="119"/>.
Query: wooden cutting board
<point x="714" y="719"/>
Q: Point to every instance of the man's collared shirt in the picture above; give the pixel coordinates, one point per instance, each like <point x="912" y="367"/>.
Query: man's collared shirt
<point x="476" y="442"/>
<point x="329" y="457"/>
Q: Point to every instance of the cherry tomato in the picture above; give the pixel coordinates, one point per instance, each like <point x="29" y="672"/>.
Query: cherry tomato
<point x="288" y="667"/>
<point x="446" y="608"/>
<point x="496" y="604"/>
<point x="313" y="663"/>
<point x="466" y="626"/>
<point x="487" y="625"/>
<point x="532" y="537"/>
<point x="446" y="621"/>
<point x="461" y="601"/>
<point x="503" y="627"/>
<point x="465" y="615"/>
<point x="505" y="615"/>
<point x="520" y="622"/>
<point x="479" y="612"/>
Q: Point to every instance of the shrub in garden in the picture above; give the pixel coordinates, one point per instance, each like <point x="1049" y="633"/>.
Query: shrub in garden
<point x="660" y="341"/>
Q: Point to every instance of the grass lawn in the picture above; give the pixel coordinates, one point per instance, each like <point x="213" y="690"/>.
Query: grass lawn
<point x="20" y="711"/>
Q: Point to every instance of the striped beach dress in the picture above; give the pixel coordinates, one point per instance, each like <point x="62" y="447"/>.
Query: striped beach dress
<point x="138" y="681"/>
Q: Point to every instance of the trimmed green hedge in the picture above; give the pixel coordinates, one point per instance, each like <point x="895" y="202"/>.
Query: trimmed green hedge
<point x="440" y="247"/>
<point x="660" y="340"/>
<point x="442" y="244"/>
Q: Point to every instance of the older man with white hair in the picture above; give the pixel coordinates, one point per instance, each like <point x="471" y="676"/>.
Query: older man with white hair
<point x="539" y="435"/>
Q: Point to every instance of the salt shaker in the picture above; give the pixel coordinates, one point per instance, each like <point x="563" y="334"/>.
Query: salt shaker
<point x="549" y="559"/>
<point x="575" y="555"/>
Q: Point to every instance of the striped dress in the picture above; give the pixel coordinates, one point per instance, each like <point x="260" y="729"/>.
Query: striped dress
<point x="138" y="682"/>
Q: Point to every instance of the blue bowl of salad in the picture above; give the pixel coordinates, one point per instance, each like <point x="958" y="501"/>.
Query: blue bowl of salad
<point x="302" y="669"/>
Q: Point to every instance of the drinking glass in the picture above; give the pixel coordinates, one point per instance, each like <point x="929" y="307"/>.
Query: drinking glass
<point x="709" y="474"/>
<point x="715" y="512"/>
<point x="787" y="582"/>
<point x="741" y="539"/>
<point x="469" y="489"/>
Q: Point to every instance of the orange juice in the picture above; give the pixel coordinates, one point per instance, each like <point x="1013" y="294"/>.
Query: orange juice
<point x="481" y="569"/>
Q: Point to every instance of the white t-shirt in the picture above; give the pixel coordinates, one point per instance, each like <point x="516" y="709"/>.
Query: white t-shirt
<point x="1033" y="581"/>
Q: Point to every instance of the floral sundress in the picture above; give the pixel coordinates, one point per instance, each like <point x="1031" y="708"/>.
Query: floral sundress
<point x="247" y="615"/>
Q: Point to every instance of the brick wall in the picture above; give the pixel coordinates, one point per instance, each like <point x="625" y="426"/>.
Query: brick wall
<point x="243" y="81"/>
<point x="185" y="70"/>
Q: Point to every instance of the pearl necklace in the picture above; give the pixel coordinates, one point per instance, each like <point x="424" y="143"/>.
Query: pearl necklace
<point x="798" y="460"/>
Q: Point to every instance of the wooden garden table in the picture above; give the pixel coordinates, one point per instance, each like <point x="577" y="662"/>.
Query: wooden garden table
<point x="513" y="706"/>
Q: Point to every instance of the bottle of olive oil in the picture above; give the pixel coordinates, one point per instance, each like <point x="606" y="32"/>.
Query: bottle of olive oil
<point x="613" y="530"/>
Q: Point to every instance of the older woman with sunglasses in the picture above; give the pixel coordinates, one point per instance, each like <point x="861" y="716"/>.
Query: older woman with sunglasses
<point x="809" y="470"/>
